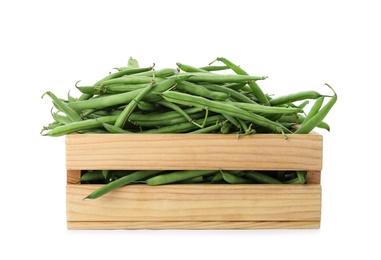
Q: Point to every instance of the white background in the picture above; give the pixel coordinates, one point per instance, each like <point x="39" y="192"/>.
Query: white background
<point x="300" y="45"/>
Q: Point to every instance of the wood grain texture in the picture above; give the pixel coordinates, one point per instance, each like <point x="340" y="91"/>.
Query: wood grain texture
<point x="73" y="176"/>
<point x="193" y="225"/>
<point x="189" y="152"/>
<point x="199" y="202"/>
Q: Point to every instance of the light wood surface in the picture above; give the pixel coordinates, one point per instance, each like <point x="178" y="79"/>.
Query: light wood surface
<point x="197" y="203"/>
<point x="193" y="225"/>
<point x="190" y="152"/>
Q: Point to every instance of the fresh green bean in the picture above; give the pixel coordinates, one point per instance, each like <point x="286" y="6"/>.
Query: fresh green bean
<point x="138" y="175"/>
<point x="314" y="109"/>
<point x="71" y="114"/>
<point x="177" y="109"/>
<point x="231" y="92"/>
<point x="201" y="91"/>
<point x="114" y="129"/>
<point x="120" y="88"/>
<point x="177" y="176"/>
<point x="257" y="91"/>
<point x="189" y="68"/>
<point x="147" y="106"/>
<point x="233" y="179"/>
<point x="217" y="178"/>
<point x="214" y="68"/>
<point x="61" y="118"/>
<point x="264" y="109"/>
<point x="209" y="129"/>
<point x="123" y="117"/>
<point x="162" y="73"/>
<point x="225" y="128"/>
<point x="129" y="80"/>
<point x="113" y="76"/>
<point x="307" y="126"/>
<point x="81" y="126"/>
<point x="289" y="98"/>
<point x="261" y="178"/>
<point x="220" y="78"/>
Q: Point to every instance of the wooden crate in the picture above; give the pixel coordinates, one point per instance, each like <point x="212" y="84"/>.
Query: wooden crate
<point x="194" y="206"/>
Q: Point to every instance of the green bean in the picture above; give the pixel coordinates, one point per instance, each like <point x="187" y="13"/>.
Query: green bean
<point x="61" y="119"/>
<point x="113" y="76"/>
<point x="307" y="126"/>
<point x="225" y="128"/>
<point x="132" y="63"/>
<point x="314" y="109"/>
<point x="129" y="80"/>
<point x="217" y="178"/>
<point x="97" y="176"/>
<point x="91" y="176"/>
<point x="209" y="129"/>
<point x="223" y="108"/>
<point x="246" y="130"/>
<point x="105" y="101"/>
<point x="299" y="119"/>
<point x="177" y="109"/>
<point x="81" y="126"/>
<point x="257" y="91"/>
<point x="71" y="114"/>
<point x="125" y="72"/>
<point x="189" y="68"/>
<point x="114" y="129"/>
<point x="303" y="104"/>
<point x="120" y="88"/>
<point x="233" y="179"/>
<point x="70" y="98"/>
<point x="201" y="91"/>
<point x="300" y="178"/>
<point x="198" y="179"/>
<point x="185" y="127"/>
<point x="232" y="120"/>
<point x="231" y="92"/>
<point x="122" y="98"/>
<point x="264" y="109"/>
<point x="261" y="178"/>
<point x="311" y="94"/>
<point x="123" y="117"/>
<point x="135" y="176"/>
<point x="162" y="73"/>
<point x="220" y="78"/>
<point x="177" y="176"/>
<point x="146" y="106"/>
<point x="214" y="68"/>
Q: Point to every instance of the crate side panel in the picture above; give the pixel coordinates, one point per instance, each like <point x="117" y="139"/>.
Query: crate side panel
<point x="185" y="152"/>
<point x="197" y="203"/>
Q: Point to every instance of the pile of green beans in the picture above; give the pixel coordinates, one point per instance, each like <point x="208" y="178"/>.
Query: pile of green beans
<point x="221" y="99"/>
<point x="186" y="99"/>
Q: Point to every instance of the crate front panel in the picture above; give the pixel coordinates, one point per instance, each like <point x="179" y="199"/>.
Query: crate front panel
<point x="198" y="202"/>
<point x="189" y="152"/>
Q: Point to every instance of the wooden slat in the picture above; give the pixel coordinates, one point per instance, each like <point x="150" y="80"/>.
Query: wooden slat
<point x="187" y="151"/>
<point x="199" y="202"/>
<point x="73" y="176"/>
<point x="192" y="225"/>
<point x="313" y="177"/>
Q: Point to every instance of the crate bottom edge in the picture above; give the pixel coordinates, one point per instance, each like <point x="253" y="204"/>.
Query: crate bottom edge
<point x="191" y="225"/>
